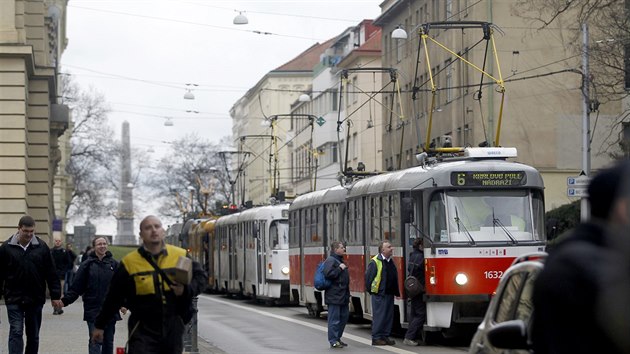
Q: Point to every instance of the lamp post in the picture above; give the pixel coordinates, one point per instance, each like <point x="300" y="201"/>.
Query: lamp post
<point x="190" y="336"/>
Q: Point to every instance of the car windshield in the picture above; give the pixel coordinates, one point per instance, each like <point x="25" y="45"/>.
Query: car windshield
<point x="472" y="216"/>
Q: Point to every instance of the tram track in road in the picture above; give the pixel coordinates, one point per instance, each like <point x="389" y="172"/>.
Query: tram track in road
<point x="309" y="322"/>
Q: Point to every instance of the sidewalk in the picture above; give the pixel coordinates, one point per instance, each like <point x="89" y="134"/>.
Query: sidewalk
<point x="68" y="333"/>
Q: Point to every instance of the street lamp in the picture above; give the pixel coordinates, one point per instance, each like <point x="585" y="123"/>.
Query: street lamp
<point x="240" y="19"/>
<point x="399" y="33"/>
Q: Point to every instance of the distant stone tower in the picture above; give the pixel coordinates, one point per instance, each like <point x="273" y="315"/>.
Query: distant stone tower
<point x="124" y="230"/>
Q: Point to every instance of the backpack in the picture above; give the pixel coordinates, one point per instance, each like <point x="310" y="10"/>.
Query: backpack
<point x="321" y="282"/>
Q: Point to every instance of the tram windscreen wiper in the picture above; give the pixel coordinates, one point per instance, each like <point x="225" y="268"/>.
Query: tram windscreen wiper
<point x="459" y="223"/>
<point x="497" y="222"/>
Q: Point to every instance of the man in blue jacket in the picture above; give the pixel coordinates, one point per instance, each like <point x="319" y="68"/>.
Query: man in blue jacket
<point x="26" y="266"/>
<point x="337" y="297"/>
<point x="381" y="281"/>
<point x="91" y="282"/>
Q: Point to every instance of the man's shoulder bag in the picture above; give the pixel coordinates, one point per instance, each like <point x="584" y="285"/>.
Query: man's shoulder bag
<point x="186" y="308"/>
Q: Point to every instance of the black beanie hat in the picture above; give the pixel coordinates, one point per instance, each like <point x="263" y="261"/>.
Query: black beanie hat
<point x="607" y="186"/>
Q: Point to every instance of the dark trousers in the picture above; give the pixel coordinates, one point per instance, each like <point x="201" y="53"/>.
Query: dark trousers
<point x="337" y="318"/>
<point x="107" y="346"/>
<point x="382" y="315"/>
<point x="21" y="317"/>
<point x="417" y="317"/>
<point x="155" y="336"/>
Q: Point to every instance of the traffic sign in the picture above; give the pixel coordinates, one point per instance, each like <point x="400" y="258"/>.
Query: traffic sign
<point x="320" y="121"/>
<point x="578" y="181"/>
<point x="577" y="192"/>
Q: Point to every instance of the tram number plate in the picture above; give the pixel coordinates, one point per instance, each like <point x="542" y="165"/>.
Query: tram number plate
<point x="493" y="274"/>
<point x="489" y="179"/>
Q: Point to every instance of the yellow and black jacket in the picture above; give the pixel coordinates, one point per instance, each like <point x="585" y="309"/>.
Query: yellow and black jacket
<point x="139" y="287"/>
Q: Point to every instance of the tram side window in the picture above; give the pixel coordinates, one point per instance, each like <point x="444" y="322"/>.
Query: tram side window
<point x="394" y="212"/>
<point x="358" y="211"/>
<point x="330" y="222"/>
<point x="437" y="218"/>
<point x="352" y="221"/>
<point x="312" y="236"/>
<point x="320" y="222"/>
<point x="293" y="229"/>
<point x="384" y="213"/>
<point x="375" y="219"/>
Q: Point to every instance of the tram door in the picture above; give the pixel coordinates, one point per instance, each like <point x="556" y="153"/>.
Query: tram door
<point x="261" y="252"/>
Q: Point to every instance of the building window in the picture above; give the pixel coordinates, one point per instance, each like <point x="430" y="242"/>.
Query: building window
<point x="448" y="9"/>
<point x="334" y="99"/>
<point x="449" y="80"/>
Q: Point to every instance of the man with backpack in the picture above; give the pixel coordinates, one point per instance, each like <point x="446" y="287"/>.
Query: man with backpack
<point x="337" y="296"/>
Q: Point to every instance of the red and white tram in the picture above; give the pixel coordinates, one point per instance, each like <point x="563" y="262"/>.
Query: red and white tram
<point x="476" y="213"/>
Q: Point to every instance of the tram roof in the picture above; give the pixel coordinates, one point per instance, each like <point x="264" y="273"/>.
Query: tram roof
<point x="336" y="194"/>
<point x="256" y="213"/>
<point x="438" y="174"/>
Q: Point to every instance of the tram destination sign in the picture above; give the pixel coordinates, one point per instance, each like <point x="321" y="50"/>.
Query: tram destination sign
<point x="488" y="179"/>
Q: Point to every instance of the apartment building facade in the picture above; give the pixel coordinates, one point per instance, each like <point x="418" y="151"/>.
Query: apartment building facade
<point x="542" y="114"/>
<point x="32" y="39"/>
<point x="262" y="131"/>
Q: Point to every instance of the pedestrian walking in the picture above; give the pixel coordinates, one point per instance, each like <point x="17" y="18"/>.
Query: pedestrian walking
<point x="417" y="308"/>
<point x="26" y="268"/>
<point x="567" y="290"/>
<point x="381" y="281"/>
<point x="337" y="297"/>
<point x="160" y="308"/>
<point x="70" y="272"/>
<point x="91" y="283"/>
<point x="62" y="265"/>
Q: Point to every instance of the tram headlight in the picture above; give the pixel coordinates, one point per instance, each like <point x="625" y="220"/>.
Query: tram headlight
<point x="461" y="279"/>
<point x="285" y="270"/>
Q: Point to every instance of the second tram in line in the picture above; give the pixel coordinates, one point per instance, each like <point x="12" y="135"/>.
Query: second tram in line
<point x="244" y="254"/>
<point x="475" y="213"/>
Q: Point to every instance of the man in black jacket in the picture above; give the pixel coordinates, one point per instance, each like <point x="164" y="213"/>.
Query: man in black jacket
<point x="62" y="264"/>
<point x="567" y="289"/>
<point x="26" y="267"/>
<point x="91" y="282"/>
<point x="160" y="308"/>
<point x="337" y="297"/>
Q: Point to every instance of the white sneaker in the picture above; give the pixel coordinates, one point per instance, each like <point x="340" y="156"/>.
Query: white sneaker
<point x="410" y="342"/>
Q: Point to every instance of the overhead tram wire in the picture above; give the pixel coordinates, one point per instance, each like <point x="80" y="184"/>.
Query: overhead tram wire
<point x="274" y="13"/>
<point x="194" y="23"/>
<point x="177" y="85"/>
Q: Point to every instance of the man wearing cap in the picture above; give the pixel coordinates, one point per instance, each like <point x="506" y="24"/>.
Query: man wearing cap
<point x="567" y="289"/>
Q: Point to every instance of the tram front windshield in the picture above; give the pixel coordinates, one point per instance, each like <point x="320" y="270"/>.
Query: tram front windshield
<point x="279" y="235"/>
<point x="471" y="216"/>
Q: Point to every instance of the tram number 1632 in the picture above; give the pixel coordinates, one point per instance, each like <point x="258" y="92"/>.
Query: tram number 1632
<point x="493" y="274"/>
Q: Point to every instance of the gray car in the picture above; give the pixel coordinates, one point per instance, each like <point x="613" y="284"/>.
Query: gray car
<point x="506" y="325"/>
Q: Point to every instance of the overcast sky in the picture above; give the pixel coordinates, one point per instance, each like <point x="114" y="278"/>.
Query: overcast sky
<point x="141" y="54"/>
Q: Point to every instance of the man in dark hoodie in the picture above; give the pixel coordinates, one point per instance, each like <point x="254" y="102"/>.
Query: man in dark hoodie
<point x="337" y="297"/>
<point x="567" y="290"/>
<point x="26" y="267"/>
<point x="91" y="282"/>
